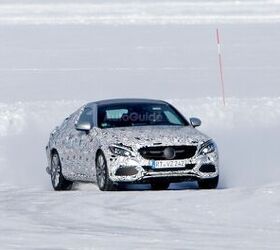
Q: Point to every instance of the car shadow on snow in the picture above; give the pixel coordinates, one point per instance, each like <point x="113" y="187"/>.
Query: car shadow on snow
<point x="141" y="187"/>
<point x="172" y="187"/>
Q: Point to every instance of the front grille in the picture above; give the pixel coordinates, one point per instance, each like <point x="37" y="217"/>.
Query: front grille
<point x="157" y="153"/>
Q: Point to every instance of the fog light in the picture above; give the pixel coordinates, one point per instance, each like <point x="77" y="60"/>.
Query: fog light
<point x="126" y="171"/>
<point x="207" y="168"/>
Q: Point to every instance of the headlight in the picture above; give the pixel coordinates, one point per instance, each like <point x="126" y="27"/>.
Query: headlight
<point x="207" y="148"/>
<point x="121" y="151"/>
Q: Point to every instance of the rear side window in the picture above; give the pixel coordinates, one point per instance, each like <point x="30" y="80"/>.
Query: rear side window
<point x="116" y="113"/>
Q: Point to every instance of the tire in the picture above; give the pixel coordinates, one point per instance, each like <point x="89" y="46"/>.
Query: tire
<point x="102" y="176"/>
<point x="160" y="185"/>
<point x="211" y="183"/>
<point x="59" y="183"/>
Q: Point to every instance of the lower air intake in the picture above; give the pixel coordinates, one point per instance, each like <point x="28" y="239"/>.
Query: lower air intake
<point x="126" y="171"/>
<point x="207" y="168"/>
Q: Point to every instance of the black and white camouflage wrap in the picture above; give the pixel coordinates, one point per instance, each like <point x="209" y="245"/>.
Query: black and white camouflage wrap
<point x="77" y="150"/>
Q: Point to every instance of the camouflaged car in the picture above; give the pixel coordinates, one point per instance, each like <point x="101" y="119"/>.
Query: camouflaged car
<point x="130" y="141"/>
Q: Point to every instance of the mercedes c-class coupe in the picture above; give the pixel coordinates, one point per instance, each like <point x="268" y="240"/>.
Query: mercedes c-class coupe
<point x="130" y="141"/>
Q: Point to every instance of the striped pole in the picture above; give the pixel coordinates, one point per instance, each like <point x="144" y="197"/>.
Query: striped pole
<point x="221" y="65"/>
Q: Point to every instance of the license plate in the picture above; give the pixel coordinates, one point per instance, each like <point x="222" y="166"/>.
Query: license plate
<point x="168" y="164"/>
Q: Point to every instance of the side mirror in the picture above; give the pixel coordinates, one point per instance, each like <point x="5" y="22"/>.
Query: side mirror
<point x="83" y="126"/>
<point x="195" y="122"/>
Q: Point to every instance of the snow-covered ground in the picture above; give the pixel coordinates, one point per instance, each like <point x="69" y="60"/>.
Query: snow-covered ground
<point x="239" y="218"/>
<point x="57" y="55"/>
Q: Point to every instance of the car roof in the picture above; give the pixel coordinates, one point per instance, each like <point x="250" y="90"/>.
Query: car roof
<point x="125" y="100"/>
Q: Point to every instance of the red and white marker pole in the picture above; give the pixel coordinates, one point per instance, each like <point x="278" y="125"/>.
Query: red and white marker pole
<point x="221" y="65"/>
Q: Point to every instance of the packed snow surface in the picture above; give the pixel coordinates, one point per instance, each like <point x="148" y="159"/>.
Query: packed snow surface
<point x="58" y="55"/>
<point x="241" y="218"/>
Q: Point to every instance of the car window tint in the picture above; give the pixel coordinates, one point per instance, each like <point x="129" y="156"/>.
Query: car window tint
<point x="115" y="113"/>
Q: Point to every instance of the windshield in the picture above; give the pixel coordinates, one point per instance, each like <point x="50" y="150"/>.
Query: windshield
<point x="139" y="114"/>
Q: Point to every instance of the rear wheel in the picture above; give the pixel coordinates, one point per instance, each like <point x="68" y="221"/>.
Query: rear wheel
<point x="59" y="183"/>
<point x="160" y="185"/>
<point x="210" y="183"/>
<point x="102" y="176"/>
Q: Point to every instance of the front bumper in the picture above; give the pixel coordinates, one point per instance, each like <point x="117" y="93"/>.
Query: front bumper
<point x="138" y="169"/>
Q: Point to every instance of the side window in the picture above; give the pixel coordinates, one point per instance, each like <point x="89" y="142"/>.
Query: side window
<point x="86" y="116"/>
<point x="116" y="113"/>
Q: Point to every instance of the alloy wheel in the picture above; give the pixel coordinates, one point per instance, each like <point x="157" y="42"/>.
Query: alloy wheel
<point x="55" y="171"/>
<point x="101" y="170"/>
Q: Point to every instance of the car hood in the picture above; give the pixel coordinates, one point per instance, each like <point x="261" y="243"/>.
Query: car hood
<point x="154" y="135"/>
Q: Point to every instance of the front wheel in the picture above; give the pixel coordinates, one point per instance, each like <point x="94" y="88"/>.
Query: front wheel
<point x="59" y="183"/>
<point x="210" y="183"/>
<point x="102" y="177"/>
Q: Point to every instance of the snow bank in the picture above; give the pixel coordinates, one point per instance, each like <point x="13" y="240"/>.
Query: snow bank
<point x="19" y="117"/>
<point x="24" y="131"/>
<point x="133" y="12"/>
<point x="246" y="131"/>
<point x="238" y="113"/>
